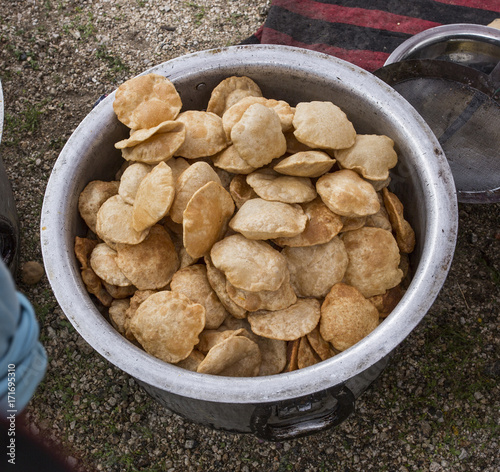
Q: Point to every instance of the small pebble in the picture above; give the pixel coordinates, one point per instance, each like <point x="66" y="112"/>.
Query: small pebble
<point x="426" y="428"/>
<point x="32" y="272"/>
<point x="134" y="418"/>
<point x="434" y="467"/>
<point x="190" y="444"/>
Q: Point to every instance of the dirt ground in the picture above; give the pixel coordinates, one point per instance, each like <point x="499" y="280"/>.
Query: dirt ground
<point x="434" y="408"/>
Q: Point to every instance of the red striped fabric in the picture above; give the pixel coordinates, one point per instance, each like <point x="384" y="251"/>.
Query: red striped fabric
<point x="364" y="36"/>
<point x="356" y="16"/>
<point x="492" y="5"/>
<point x="369" y="60"/>
<point x="258" y="33"/>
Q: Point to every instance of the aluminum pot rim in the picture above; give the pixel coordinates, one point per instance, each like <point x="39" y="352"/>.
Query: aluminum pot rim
<point x="429" y="276"/>
<point x="441" y="33"/>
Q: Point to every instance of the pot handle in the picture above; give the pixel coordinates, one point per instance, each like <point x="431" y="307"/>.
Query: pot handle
<point x="302" y="416"/>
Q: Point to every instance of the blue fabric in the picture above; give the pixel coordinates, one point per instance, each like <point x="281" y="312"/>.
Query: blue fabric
<point x="23" y="360"/>
<point x="9" y="308"/>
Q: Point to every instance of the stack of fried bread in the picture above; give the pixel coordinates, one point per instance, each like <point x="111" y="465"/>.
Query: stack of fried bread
<point x="250" y="238"/>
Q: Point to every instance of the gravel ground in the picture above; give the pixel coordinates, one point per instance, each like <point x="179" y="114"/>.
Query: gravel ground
<point x="436" y="406"/>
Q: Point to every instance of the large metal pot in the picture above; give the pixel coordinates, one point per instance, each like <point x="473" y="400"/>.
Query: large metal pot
<point x="9" y="224"/>
<point x="311" y="399"/>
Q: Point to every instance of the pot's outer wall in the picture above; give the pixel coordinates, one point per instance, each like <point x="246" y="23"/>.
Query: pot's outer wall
<point x="422" y="180"/>
<point x="305" y="415"/>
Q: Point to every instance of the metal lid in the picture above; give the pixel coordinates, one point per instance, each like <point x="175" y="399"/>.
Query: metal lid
<point x="475" y="46"/>
<point x="451" y="75"/>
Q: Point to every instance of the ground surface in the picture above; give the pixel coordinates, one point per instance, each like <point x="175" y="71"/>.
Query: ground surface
<point x="436" y="407"/>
